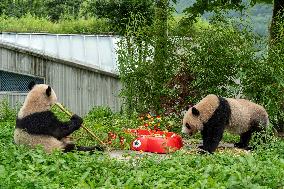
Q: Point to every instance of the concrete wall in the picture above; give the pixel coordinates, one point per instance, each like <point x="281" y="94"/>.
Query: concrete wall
<point x="78" y="87"/>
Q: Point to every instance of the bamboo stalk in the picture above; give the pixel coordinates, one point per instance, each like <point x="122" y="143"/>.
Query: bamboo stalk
<point x="86" y="129"/>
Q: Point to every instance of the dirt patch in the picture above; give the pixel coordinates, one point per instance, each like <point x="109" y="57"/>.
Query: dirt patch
<point x="190" y="147"/>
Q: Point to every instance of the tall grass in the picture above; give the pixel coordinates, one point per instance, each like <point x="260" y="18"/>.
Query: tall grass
<point x="29" y="23"/>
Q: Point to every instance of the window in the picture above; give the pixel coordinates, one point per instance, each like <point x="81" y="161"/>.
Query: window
<point x="16" y="82"/>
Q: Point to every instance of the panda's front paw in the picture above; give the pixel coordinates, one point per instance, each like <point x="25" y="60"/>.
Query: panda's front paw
<point x="202" y="150"/>
<point x="240" y="145"/>
<point x="201" y="147"/>
<point x="250" y="148"/>
<point x="77" y="120"/>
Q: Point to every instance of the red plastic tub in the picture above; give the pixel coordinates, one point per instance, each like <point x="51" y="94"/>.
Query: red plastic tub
<point x="155" y="141"/>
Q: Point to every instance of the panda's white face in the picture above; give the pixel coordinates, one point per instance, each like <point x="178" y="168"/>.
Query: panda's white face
<point x="39" y="99"/>
<point x="199" y="114"/>
<point x="191" y="122"/>
<point x="43" y="94"/>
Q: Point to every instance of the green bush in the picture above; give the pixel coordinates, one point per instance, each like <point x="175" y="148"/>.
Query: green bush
<point x="263" y="81"/>
<point x="211" y="60"/>
<point x="7" y="113"/>
<point x="141" y="69"/>
<point x="218" y="58"/>
<point x="124" y="11"/>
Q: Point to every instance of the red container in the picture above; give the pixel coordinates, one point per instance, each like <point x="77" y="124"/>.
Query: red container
<point x="155" y="141"/>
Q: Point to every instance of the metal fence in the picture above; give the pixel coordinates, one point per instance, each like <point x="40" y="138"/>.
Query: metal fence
<point x="16" y="82"/>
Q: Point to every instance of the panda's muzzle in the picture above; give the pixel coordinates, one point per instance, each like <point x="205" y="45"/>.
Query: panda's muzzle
<point x="189" y="129"/>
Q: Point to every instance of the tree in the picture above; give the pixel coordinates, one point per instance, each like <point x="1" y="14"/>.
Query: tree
<point x="263" y="81"/>
<point x="20" y="8"/>
<point x="161" y="46"/>
<point x="200" y="6"/>
<point x="57" y="8"/>
<point x="120" y="12"/>
<point x="277" y="16"/>
<point x="53" y="9"/>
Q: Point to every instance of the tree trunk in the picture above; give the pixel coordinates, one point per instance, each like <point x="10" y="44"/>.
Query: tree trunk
<point x="275" y="48"/>
<point x="161" y="48"/>
<point x="161" y="16"/>
<point x="278" y="15"/>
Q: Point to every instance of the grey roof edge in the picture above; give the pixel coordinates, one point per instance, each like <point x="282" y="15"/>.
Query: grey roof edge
<point x="74" y="63"/>
<point x="60" y="34"/>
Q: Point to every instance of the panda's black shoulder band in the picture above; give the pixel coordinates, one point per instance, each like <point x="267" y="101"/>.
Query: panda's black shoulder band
<point x="222" y="114"/>
<point x="213" y="130"/>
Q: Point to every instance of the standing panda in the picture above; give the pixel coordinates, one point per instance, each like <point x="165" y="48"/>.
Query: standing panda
<point x="37" y="125"/>
<point x="213" y="114"/>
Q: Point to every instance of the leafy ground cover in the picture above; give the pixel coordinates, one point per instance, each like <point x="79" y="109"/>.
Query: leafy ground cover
<point x="24" y="168"/>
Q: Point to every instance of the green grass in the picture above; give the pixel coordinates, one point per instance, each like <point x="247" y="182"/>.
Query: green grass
<point x="33" y="24"/>
<point x="24" y="168"/>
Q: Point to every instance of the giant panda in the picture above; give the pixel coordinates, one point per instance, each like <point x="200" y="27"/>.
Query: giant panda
<point x="37" y="125"/>
<point x="213" y="114"/>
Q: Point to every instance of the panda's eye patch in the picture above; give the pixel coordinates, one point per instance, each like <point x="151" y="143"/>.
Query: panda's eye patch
<point x="187" y="126"/>
<point x="195" y="112"/>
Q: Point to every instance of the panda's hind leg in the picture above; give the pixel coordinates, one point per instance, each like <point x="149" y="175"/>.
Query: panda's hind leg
<point x="244" y="140"/>
<point x="69" y="147"/>
<point x="72" y="147"/>
<point x="246" y="136"/>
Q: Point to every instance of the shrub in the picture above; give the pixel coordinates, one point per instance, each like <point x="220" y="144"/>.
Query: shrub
<point x="7" y="113"/>
<point x="224" y="58"/>
<point x="211" y="60"/>
<point x="263" y="81"/>
<point x="217" y="57"/>
<point x="143" y="75"/>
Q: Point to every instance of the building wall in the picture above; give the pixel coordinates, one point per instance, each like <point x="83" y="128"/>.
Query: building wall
<point x="77" y="86"/>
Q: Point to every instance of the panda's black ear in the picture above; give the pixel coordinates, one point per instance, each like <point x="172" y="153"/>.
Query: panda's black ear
<point x="48" y="91"/>
<point x="195" y="111"/>
<point x="31" y="85"/>
<point x="187" y="107"/>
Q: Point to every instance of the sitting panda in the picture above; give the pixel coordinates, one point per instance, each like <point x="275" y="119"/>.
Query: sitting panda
<point x="37" y="125"/>
<point x="213" y="114"/>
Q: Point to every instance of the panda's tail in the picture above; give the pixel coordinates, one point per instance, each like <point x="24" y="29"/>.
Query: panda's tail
<point x="72" y="147"/>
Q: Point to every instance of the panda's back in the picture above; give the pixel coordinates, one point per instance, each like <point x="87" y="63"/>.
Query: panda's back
<point x="243" y="114"/>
